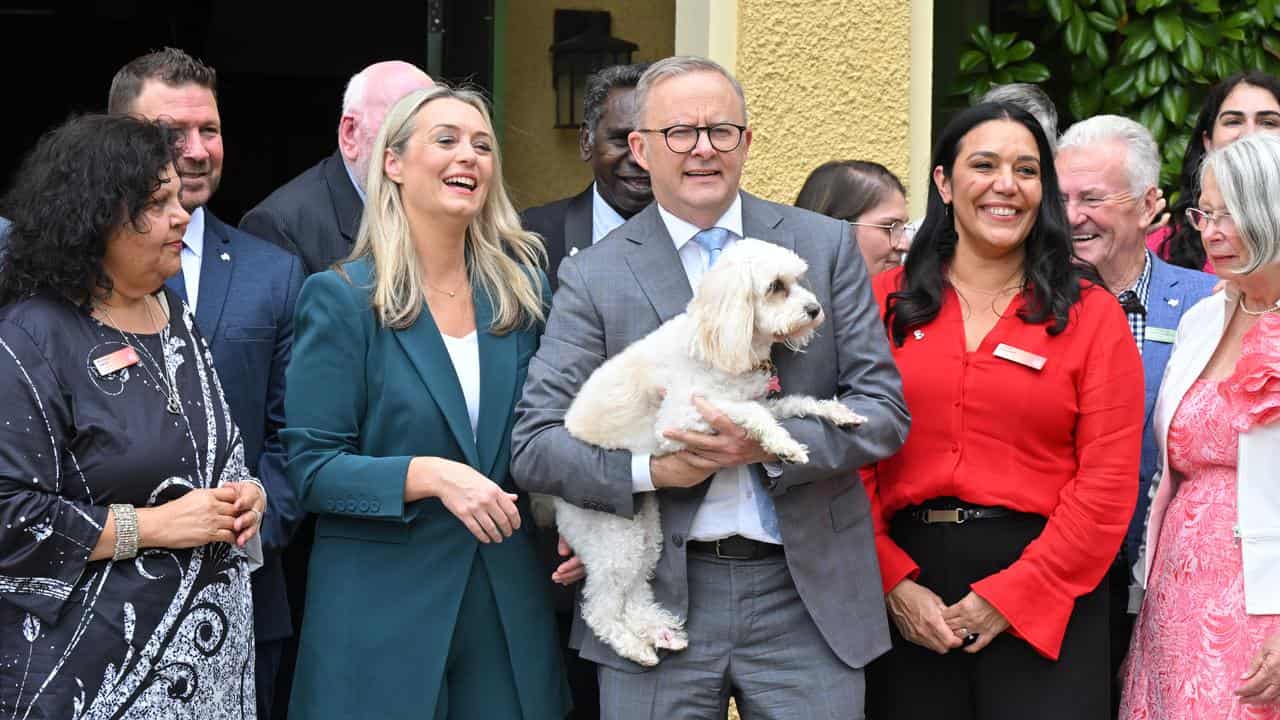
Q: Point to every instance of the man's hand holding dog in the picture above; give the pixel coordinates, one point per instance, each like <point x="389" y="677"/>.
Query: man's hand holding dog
<point x="727" y="445"/>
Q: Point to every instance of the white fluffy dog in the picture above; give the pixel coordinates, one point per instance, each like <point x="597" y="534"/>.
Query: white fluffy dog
<point x="719" y="348"/>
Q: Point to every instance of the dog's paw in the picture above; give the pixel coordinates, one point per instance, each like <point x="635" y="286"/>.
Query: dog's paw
<point x="792" y="452"/>
<point x="639" y="652"/>
<point x="841" y="415"/>
<point x="672" y="639"/>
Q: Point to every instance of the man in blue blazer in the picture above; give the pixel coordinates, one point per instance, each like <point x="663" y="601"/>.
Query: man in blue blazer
<point x="1108" y="167"/>
<point x="242" y="290"/>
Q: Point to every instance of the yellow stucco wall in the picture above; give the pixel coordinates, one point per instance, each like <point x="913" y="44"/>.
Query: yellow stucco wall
<point x="825" y="80"/>
<point x="540" y="161"/>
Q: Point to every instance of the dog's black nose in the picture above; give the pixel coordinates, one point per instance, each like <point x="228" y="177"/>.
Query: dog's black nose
<point x="813" y="309"/>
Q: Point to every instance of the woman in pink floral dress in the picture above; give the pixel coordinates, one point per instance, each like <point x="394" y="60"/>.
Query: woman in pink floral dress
<point x="1207" y="644"/>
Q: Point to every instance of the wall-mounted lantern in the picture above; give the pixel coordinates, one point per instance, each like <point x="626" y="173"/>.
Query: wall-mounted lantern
<point x="582" y="46"/>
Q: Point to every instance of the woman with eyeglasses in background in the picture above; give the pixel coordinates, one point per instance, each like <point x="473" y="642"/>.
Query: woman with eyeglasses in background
<point x="1242" y="104"/>
<point x="868" y="197"/>
<point x="1207" y="642"/>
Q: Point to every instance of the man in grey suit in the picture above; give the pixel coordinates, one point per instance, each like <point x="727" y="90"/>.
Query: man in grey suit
<point x="785" y="632"/>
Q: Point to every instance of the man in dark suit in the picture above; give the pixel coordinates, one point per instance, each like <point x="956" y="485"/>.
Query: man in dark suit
<point x="1108" y="167"/>
<point x="316" y="215"/>
<point x="619" y="188"/>
<point x="772" y="566"/>
<point x="242" y="290"/>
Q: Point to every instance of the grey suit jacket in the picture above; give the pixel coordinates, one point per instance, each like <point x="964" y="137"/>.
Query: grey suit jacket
<point x="628" y="284"/>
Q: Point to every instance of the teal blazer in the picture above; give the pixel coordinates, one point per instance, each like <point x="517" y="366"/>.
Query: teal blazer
<point x="387" y="577"/>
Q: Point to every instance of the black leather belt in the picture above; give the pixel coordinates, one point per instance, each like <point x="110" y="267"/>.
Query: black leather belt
<point x="958" y="516"/>
<point x="734" y="547"/>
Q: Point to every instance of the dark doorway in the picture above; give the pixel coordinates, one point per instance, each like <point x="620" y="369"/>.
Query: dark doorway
<point x="282" y="67"/>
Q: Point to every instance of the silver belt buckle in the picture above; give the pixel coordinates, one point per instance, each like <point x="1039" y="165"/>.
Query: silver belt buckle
<point x="957" y="516"/>
<point x="726" y="556"/>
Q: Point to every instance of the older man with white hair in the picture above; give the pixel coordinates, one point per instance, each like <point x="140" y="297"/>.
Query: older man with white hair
<point x="1108" y="167"/>
<point x="316" y="215"/>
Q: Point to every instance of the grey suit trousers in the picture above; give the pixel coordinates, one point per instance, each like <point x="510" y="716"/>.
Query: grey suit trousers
<point x="751" y="638"/>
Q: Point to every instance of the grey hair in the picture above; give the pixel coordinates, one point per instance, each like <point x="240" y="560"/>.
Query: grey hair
<point x="353" y="96"/>
<point x="599" y="85"/>
<point x="1030" y="98"/>
<point x="682" y="65"/>
<point x="1248" y="175"/>
<point x="1143" y="162"/>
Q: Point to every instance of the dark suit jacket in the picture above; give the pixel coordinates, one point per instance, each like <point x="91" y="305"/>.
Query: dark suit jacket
<point x="315" y="215"/>
<point x="247" y="292"/>
<point x="565" y="227"/>
<point x="387" y="577"/>
<point x="623" y="288"/>
<point x="1171" y="292"/>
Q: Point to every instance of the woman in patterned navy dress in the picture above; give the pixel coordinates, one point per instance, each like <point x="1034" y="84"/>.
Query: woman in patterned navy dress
<point x="127" y="518"/>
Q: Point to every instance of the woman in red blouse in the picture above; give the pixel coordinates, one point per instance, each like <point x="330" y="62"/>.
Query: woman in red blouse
<point x="998" y="519"/>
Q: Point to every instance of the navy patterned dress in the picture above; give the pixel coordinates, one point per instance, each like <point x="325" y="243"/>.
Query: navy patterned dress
<point x="168" y="634"/>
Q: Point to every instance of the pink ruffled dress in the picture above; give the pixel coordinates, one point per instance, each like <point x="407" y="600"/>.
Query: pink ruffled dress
<point x="1193" y="639"/>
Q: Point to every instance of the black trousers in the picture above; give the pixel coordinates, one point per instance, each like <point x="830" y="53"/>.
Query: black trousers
<point x="1007" y="680"/>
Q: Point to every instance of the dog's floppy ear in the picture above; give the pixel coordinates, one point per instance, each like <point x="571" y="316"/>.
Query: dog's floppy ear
<point x="724" y="318"/>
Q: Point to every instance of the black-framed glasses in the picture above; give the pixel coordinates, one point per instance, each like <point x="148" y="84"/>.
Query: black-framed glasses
<point x="1131" y="303"/>
<point x="1201" y="219"/>
<point x="897" y="229"/>
<point x="724" y="137"/>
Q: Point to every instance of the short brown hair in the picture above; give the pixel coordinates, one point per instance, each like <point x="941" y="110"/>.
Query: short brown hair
<point x="170" y="66"/>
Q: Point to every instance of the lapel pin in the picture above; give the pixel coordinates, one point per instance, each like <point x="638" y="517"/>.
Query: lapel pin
<point x="226" y="257"/>
<point x="573" y="251"/>
<point x="919" y="334"/>
<point x="1173" y="302"/>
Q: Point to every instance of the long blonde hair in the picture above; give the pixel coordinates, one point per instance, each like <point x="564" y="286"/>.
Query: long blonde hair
<point x="501" y="256"/>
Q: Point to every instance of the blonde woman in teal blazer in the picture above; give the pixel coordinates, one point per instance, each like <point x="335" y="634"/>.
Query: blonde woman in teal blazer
<point x="425" y="598"/>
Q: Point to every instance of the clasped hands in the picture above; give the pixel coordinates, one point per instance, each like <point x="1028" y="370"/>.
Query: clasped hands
<point x="924" y="619"/>
<point x="229" y="513"/>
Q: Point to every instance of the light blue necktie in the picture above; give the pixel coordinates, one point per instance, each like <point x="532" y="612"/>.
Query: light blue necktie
<point x="713" y="241"/>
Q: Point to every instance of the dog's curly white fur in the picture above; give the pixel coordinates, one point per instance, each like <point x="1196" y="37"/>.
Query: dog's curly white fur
<point x="718" y="348"/>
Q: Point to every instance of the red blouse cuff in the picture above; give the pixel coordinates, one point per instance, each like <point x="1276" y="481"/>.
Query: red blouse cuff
<point x="1037" y="612"/>
<point x="895" y="564"/>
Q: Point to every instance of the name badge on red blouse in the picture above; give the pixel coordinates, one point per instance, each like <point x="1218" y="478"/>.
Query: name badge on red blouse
<point x="1020" y="356"/>
<point x="111" y="362"/>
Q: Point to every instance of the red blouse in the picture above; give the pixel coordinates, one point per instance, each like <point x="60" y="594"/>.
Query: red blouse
<point x="1062" y="442"/>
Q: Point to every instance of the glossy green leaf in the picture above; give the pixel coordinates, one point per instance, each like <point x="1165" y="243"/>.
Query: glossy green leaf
<point x="1005" y="40"/>
<point x="1119" y="79"/>
<point x="1239" y="19"/>
<point x="1113" y="8"/>
<point x="1207" y="6"/>
<point x="1021" y="50"/>
<point x="1159" y="69"/>
<point x="1236" y="34"/>
<point x="1031" y="72"/>
<point x="1173" y="103"/>
<point x="1060" y="10"/>
<point x="1137" y="47"/>
<point x="1002" y="77"/>
<point x="982" y="37"/>
<point x="1077" y="34"/>
<point x="1101" y="22"/>
<point x="1271" y="44"/>
<point x="971" y="59"/>
<point x="1085" y="101"/>
<point x="1204" y="33"/>
<point x="1191" y="54"/>
<point x="1169" y="29"/>
<point x="1097" y="50"/>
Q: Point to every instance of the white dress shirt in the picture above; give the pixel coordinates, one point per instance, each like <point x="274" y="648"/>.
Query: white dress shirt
<point x="729" y="507"/>
<point x="464" y="352"/>
<point x="192" y="251"/>
<point x="603" y="217"/>
<point x="354" y="183"/>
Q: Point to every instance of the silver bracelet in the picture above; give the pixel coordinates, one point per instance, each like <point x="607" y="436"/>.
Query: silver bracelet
<point x="126" y="532"/>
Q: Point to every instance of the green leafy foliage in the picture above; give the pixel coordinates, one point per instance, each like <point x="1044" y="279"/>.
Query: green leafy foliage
<point x="1151" y="60"/>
